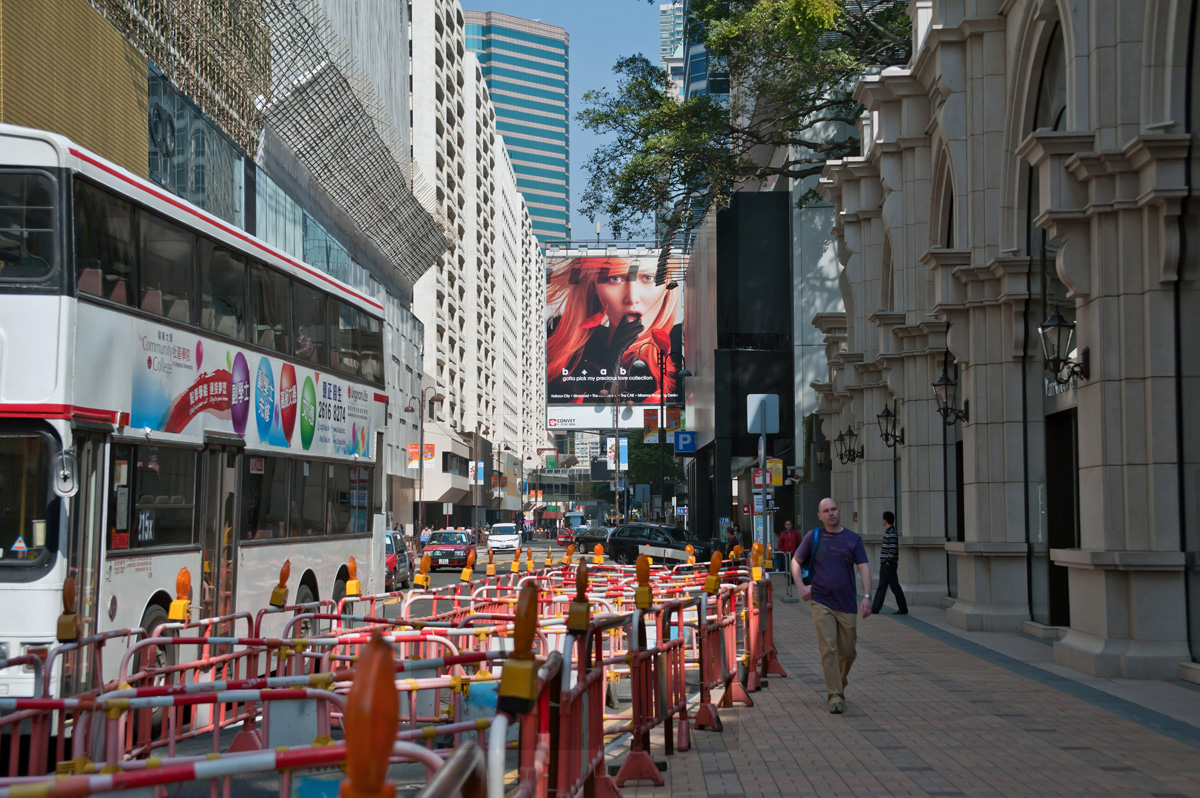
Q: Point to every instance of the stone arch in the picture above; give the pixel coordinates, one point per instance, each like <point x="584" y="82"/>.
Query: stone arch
<point x="946" y="221"/>
<point x="1035" y="30"/>
<point x="1164" y="65"/>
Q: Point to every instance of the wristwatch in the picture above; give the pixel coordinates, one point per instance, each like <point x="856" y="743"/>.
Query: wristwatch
<point x="866" y="595"/>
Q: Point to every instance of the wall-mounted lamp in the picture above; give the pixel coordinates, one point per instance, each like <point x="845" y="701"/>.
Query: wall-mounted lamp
<point x="945" y="391"/>
<point x="844" y="446"/>
<point x="1058" y="341"/>
<point x="887" y="428"/>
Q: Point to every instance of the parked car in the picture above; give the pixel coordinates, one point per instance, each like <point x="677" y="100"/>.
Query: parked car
<point x="448" y="548"/>
<point x="397" y="562"/>
<point x="504" y="537"/>
<point x="566" y="536"/>
<point x="629" y="540"/>
<point x="586" y="540"/>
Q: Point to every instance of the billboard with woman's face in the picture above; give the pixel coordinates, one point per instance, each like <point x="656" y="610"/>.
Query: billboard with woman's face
<point x="607" y="324"/>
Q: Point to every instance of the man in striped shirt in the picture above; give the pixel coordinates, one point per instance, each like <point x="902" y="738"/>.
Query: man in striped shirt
<point x="889" y="558"/>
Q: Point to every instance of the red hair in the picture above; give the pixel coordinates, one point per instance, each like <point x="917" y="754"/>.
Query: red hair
<point x="572" y="291"/>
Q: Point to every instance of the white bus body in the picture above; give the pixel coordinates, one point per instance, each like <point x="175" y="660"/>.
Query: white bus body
<point x="214" y="439"/>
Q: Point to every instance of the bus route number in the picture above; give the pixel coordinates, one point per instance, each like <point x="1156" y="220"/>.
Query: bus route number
<point x="331" y="412"/>
<point x="145" y="527"/>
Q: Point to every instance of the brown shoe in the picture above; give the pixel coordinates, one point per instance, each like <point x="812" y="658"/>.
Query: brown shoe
<point x="837" y="708"/>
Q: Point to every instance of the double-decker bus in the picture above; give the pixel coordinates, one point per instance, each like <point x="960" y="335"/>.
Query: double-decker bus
<point x="174" y="393"/>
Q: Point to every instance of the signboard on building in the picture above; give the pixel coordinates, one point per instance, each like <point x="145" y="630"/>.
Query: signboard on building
<point x="606" y="324"/>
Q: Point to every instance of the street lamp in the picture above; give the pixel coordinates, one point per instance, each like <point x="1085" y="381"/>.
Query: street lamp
<point x="476" y="488"/>
<point x="945" y="391"/>
<point x="662" y="430"/>
<point x="438" y="399"/>
<point x="887" y="428"/>
<point x="844" y="447"/>
<point x="1058" y="341"/>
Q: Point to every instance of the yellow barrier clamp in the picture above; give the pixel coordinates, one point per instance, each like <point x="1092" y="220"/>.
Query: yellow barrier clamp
<point x="566" y="560"/>
<point x="642" y="596"/>
<point x="422" y="578"/>
<point x="279" y="594"/>
<point x="529" y="559"/>
<point x="491" y="566"/>
<point x="578" y="617"/>
<point x="756" y="560"/>
<point x="469" y="570"/>
<point x="598" y="554"/>
<point x="181" y="607"/>
<point x="353" y="586"/>
<point x="518" y="682"/>
<point x="114" y="708"/>
<point x="713" y="583"/>
<point x="69" y="628"/>
<point x="516" y="563"/>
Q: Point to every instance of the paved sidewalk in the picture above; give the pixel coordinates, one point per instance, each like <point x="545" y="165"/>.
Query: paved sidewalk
<point x="936" y="712"/>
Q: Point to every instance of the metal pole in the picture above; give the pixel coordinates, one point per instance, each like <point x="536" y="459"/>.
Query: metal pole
<point x="421" y="474"/>
<point x="662" y="434"/>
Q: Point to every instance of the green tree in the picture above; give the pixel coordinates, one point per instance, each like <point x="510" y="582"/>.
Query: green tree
<point x="792" y="66"/>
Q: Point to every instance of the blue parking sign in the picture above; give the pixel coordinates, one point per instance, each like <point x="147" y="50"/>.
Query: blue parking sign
<point x="685" y="442"/>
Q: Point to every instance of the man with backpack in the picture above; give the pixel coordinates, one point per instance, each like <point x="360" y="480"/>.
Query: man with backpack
<point x="823" y="567"/>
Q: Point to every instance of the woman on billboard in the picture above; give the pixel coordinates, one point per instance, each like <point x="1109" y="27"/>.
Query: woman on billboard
<point x="609" y="321"/>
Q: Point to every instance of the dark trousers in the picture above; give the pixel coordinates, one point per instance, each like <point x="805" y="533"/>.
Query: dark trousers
<point x="888" y="578"/>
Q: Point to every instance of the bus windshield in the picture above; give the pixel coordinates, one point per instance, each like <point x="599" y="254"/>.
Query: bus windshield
<point x="26" y="501"/>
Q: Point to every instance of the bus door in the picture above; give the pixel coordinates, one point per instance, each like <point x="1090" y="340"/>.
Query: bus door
<point x="83" y="548"/>
<point x="221" y="468"/>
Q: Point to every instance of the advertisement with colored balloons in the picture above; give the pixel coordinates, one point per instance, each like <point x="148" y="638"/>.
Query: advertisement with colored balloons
<point x="186" y="384"/>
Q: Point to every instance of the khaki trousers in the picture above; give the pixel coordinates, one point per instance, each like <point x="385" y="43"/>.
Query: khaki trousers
<point x="836" y="634"/>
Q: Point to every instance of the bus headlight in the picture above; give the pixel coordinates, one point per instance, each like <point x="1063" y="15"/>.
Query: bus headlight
<point x="3" y="651"/>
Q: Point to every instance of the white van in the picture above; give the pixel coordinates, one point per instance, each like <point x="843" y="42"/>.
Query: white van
<point x="504" y="537"/>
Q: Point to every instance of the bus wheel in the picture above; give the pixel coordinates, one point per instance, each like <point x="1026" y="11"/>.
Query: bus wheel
<point x="146" y="724"/>
<point x="304" y="596"/>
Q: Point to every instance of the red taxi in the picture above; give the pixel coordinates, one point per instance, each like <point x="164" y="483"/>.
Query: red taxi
<point x="566" y="536"/>
<point x="448" y="548"/>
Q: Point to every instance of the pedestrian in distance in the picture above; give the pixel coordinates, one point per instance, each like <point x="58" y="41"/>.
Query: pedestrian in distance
<point x="889" y="559"/>
<point x="788" y="542"/>
<point x="733" y="537"/>
<point x="830" y="586"/>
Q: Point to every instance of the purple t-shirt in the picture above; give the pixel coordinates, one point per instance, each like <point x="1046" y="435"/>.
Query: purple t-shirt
<point x="833" y="582"/>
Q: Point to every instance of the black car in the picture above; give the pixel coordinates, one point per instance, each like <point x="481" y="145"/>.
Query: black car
<point x="586" y="539"/>
<point x="660" y="541"/>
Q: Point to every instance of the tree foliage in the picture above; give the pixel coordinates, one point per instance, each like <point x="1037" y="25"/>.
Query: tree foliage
<point x="792" y="66"/>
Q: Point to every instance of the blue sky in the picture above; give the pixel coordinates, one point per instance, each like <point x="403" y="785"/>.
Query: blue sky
<point x="601" y="31"/>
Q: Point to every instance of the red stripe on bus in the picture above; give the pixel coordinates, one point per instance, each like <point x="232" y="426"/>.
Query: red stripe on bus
<point x="233" y="231"/>
<point x="60" y="411"/>
<point x="381" y="397"/>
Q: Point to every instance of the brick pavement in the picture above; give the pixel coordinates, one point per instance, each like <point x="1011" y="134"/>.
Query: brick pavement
<point x="924" y="717"/>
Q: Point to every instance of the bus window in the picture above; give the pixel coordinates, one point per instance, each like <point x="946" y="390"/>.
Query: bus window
<point x="270" y="308"/>
<point x="370" y="348"/>
<point x="222" y="290"/>
<point x="28" y="530"/>
<point x="308" y="501"/>
<point x="104" y="248"/>
<point x="166" y="275"/>
<point x="308" y="319"/>
<point x="349" y="499"/>
<point x="264" y="497"/>
<point x="27" y="250"/>
<point x="153" y="497"/>
<point x="343" y="330"/>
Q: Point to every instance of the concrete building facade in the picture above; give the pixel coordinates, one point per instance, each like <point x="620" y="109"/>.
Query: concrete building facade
<point x="484" y="351"/>
<point x="1033" y="164"/>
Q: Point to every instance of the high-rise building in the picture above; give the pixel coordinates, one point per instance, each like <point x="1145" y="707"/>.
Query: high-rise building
<point x="698" y="78"/>
<point x="671" y="23"/>
<point x="525" y="65"/>
<point x="482" y="305"/>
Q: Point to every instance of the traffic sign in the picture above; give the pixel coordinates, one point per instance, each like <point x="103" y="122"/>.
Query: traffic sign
<point x="685" y="442"/>
<point x="745" y="509"/>
<point x="762" y="477"/>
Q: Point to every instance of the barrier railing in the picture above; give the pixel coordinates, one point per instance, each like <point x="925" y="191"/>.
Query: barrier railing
<point x="471" y="661"/>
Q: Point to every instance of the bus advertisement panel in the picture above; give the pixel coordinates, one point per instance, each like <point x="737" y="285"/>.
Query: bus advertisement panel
<point x="185" y="384"/>
<point x="607" y="325"/>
